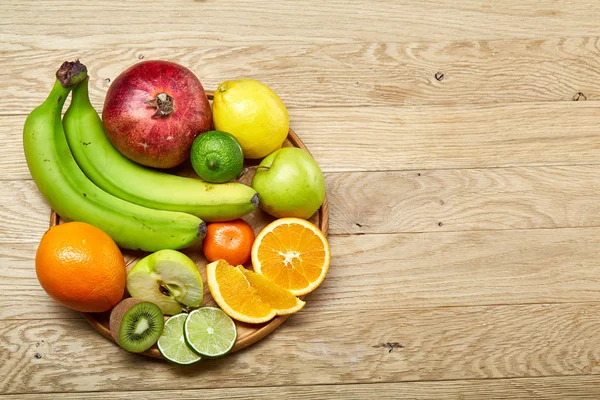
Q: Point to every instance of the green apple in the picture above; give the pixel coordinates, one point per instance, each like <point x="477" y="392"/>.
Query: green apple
<point x="289" y="184"/>
<point x="169" y="279"/>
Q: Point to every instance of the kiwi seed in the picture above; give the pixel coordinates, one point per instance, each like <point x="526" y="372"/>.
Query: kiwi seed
<point x="136" y="324"/>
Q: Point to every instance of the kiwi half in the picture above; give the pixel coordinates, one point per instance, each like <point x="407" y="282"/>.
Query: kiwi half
<point x="136" y="324"/>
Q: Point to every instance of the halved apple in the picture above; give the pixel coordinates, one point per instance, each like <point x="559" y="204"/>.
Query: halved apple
<point x="169" y="279"/>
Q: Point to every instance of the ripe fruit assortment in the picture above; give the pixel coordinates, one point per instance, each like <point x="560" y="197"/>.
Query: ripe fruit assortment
<point x="103" y="177"/>
<point x="76" y="198"/>
<point x="114" y="173"/>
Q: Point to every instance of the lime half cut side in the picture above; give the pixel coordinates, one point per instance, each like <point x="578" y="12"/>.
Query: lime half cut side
<point x="172" y="344"/>
<point x="210" y="332"/>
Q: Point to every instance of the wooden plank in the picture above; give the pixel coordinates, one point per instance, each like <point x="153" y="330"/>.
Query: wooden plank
<point x="461" y="268"/>
<point x="25" y="298"/>
<point x="25" y="213"/>
<point x="342" y="75"/>
<point x="369" y="272"/>
<point x="396" y="202"/>
<point x="204" y="23"/>
<point x="463" y="199"/>
<point x="321" y="348"/>
<point x="419" y="137"/>
<point x="548" y="388"/>
<point x="436" y="137"/>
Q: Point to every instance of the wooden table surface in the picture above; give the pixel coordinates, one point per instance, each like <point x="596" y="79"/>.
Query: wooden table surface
<point x="460" y="141"/>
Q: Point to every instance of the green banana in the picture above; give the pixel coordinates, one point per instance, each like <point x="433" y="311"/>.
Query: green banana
<point x="75" y="198"/>
<point x="118" y="175"/>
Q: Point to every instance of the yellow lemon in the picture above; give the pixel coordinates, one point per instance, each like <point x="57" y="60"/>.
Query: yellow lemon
<point x="253" y="113"/>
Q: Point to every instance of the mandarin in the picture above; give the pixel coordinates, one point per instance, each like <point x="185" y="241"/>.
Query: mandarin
<point x="230" y="241"/>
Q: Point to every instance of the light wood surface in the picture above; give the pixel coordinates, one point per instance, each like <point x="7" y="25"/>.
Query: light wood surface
<point x="360" y="74"/>
<point x="464" y="213"/>
<point x="441" y="343"/>
<point x="35" y="24"/>
<point x="547" y="388"/>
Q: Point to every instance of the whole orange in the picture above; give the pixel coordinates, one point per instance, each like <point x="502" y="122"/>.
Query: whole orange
<point x="81" y="267"/>
<point x="230" y="241"/>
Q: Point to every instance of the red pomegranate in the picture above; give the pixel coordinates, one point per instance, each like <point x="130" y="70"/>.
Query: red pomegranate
<point x="153" y="111"/>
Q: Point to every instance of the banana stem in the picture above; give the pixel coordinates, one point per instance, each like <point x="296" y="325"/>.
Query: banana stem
<point x="71" y="73"/>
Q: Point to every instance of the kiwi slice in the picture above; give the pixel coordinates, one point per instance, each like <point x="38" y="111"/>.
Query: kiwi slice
<point x="136" y="324"/>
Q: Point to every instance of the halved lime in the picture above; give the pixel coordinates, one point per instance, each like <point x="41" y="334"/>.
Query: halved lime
<point x="172" y="344"/>
<point x="210" y="332"/>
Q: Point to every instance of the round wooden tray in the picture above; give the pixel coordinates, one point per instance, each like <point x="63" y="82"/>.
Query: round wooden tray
<point x="248" y="334"/>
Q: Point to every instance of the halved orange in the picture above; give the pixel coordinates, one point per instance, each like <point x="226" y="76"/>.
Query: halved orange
<point x="247" y="296"/>
<point x="292" y="253"/>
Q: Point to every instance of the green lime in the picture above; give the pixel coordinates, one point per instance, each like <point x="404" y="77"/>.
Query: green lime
<point x="217" y="157"/>
<point x="172" y="344"/>
<point x="210" y="332"/>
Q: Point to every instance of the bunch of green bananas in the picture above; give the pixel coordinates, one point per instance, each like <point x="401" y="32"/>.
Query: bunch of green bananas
<point x="84" y="178"/>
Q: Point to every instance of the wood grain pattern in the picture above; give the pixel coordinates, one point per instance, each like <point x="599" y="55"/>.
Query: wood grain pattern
<point x="436" y="137"/>
<point x="24" y="211"/>
<point x="371" y="272"/>
<point x="27" y="299"/>
<point x="345" y="74"/>
<point x="464" y="199"/>
<point x="547" y="388"/>
<point x="420" y="137"/>
<point x="201" y="23"/>
<point x="432" y="344"/>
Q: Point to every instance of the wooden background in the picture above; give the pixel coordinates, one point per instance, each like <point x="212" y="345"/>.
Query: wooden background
<point x="461" y="146"/>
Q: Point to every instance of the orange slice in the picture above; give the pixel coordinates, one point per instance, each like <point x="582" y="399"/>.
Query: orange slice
<point x="292" y="253"/>
<point x="247" y="296"/>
